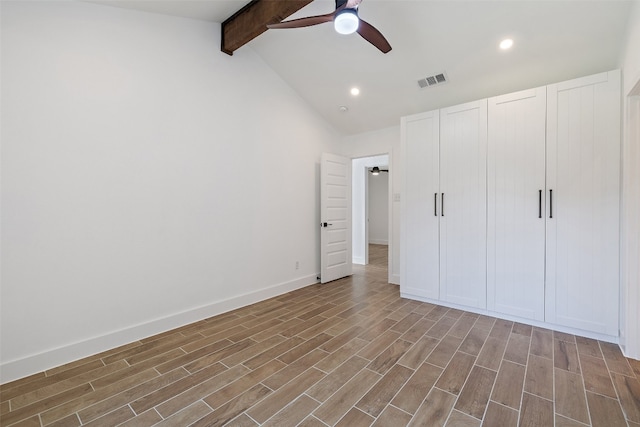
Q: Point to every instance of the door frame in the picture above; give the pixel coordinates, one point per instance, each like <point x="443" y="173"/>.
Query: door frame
<point x="630" y="226"/>
<point x="363" y="171"/>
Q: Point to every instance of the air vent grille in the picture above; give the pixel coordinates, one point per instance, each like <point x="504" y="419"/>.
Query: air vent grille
<point x="432" y="80"/>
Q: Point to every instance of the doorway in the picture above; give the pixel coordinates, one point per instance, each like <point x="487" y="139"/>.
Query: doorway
<point x="630" y="242"/>
<point x="370" y="203"/>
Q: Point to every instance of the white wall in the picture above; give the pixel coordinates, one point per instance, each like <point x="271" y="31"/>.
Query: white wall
<point x="630" y="243"/>
<point x="148" y="180"/>
<point x="630" y="63"/>
<point x="379" y="209"/>
<point x="371" y="144"/>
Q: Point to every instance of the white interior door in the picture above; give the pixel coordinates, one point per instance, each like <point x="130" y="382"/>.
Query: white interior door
<point x="335" y="217"/>
<point x="516" y="194"/>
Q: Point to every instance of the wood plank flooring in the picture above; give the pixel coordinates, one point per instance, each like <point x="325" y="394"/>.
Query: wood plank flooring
<point x="347" y="353"/>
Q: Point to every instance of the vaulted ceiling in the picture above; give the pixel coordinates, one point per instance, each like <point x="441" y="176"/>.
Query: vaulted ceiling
<point x="554" y="40"/>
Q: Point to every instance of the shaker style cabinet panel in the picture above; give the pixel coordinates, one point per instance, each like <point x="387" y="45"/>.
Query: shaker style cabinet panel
<point x="463" y="200"/>
<point x="583" y="182"/>
<point x="420" y="249"/>
<point x="516" y="204"/>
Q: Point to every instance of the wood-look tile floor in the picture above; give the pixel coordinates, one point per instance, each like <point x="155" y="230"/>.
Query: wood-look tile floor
<point x="348" y="353"/>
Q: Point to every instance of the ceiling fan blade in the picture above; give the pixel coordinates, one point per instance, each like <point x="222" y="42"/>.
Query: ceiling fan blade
<point x="373" y="36"/>
<point x="304" y="22"/>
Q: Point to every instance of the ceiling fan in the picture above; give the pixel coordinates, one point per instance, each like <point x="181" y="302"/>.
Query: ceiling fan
<point x="345" y="20"/>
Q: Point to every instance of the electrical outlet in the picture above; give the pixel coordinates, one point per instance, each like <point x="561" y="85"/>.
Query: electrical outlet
<point x="297" y="265"/>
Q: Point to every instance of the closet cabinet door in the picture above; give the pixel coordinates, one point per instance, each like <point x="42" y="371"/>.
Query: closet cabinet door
<point x="516" y="188"/>
<point x="419" y="225"/>
<point x="463" y="194"/>
<point x="583" y="170"/>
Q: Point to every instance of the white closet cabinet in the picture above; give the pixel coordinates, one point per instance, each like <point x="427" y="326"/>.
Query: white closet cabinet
<point x="511" y="205"/>
<point x="444" y="205"/>
<point x="463" y="204"/>
<point x="583" y="182"/>
<point x="419" y="264"/>
<point x="516" y="204"/>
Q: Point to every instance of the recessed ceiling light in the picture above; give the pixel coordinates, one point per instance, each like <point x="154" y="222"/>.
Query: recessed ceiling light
<point x="506" y="44"/>
<point x="355" y="91"/>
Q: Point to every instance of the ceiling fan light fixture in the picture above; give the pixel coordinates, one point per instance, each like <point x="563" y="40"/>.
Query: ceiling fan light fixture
<point x="375" y="171"/>
<point x="346" y="21"/>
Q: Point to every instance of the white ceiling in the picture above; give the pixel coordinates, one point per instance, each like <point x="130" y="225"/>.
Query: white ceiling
<point x="554" y="40"/>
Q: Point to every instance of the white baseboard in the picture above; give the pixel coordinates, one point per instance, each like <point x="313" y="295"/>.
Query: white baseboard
<point x="394" y="278"/>
<point x="20" y="368"/>
<point x="357" y="260"/>
<point x="378" y="242"/>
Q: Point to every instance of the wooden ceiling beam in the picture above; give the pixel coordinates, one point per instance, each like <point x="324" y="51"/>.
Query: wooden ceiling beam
<point x="251" y="21"/>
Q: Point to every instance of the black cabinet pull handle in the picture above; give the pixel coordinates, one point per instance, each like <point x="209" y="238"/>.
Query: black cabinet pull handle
<point x="435" y="204"/>
<point x="442" y="205"/>
<point x="539" y="203"/>
<point x="550" y="203"/>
